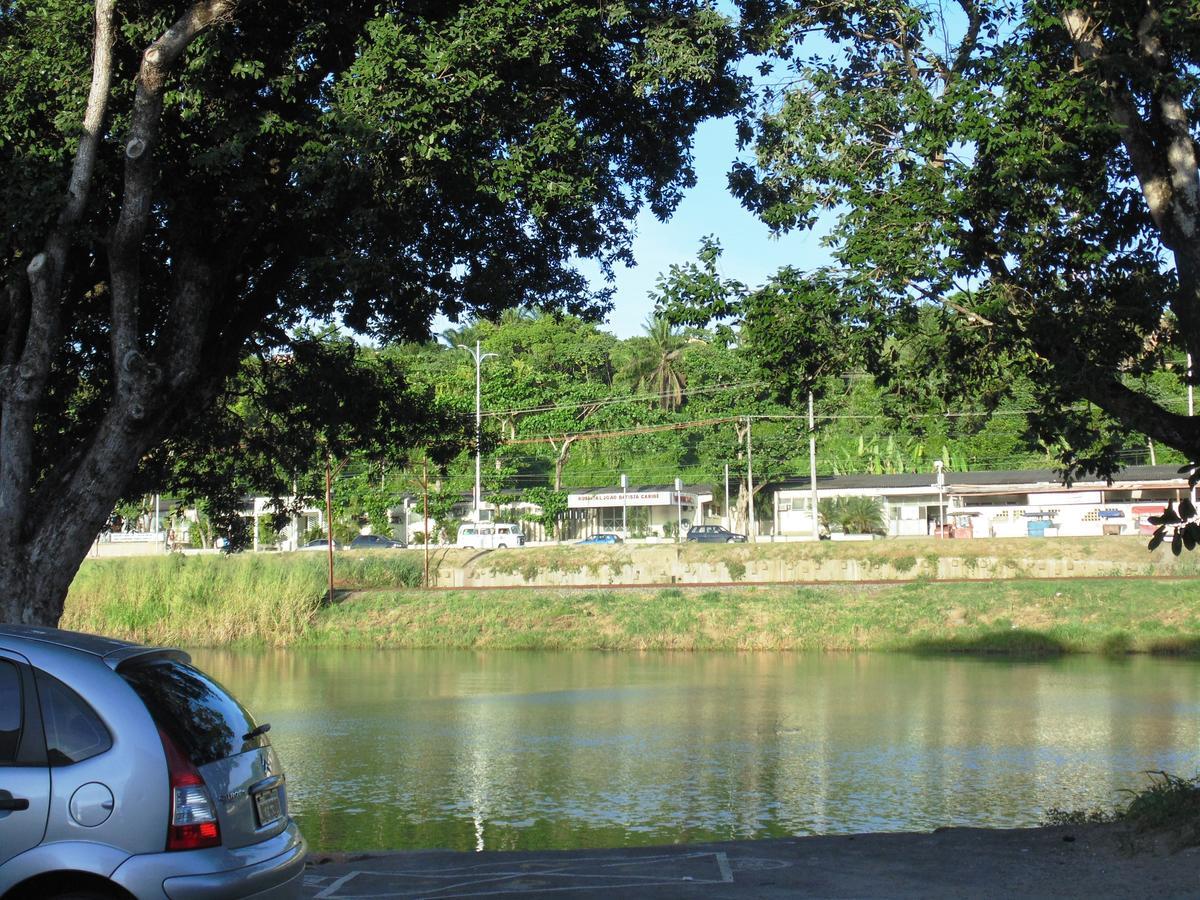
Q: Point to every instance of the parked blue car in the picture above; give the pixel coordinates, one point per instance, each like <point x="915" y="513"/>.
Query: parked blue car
<point x="604" y="537"/>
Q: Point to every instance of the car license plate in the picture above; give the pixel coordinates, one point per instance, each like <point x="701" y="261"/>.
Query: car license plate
<point x="266" y="806"/>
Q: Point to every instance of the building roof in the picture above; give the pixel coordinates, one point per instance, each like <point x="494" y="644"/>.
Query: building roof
<point x="975" y="482"/>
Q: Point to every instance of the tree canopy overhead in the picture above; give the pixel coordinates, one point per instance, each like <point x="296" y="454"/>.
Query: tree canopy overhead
<point x="1029" y="167"/>
<point x="189" y="183"/>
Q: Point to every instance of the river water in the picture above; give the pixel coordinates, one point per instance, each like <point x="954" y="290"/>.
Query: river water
<point x="401" y="749"/>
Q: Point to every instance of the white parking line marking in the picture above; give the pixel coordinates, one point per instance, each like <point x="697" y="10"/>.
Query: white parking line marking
<point x="333" y="888"/>
<point x="723" y="865"/>
<point x="486" y="879"/>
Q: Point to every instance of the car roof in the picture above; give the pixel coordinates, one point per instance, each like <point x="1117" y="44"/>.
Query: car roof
<point x="112" y="650"/>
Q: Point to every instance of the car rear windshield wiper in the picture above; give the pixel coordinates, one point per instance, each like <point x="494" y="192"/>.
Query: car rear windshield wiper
<point x="260" y="730"/>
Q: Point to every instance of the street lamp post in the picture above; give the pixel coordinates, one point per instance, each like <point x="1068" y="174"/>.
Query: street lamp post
<point x="678" y="510"/>
<point x="479" y="357"/>
<point x="941" y="486"/>
<point x="624" y="506"/>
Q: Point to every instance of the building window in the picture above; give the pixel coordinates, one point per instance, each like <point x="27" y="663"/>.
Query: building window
<point x="610" y="518"/>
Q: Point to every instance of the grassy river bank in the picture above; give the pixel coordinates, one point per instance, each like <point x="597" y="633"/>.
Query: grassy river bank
<point x="280" y="600"/>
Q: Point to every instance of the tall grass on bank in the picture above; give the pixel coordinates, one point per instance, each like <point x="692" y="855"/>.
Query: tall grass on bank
<point x="1015" y="618"/>
<point x="279" y="600"/>
<point x="198" y="600"/>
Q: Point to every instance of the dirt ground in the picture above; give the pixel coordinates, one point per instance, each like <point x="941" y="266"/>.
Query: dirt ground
<point x="1092" y="861"/>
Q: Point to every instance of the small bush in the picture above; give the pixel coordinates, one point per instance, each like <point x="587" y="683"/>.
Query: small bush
<point x="1116" y="644"/>
<point x="904" y="563"/>
<point x="1169" y="802"/>
<point x="736" y="569"/>
<point x="1096" y="816"/>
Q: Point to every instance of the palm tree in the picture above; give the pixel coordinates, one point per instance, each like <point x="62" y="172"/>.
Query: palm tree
<point x="656" y="365"/>
<point x="852" y="515"/>
<point x="864" y="515"/>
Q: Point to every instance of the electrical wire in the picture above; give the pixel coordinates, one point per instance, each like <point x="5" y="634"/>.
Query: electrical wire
<point x="639" y="398"/>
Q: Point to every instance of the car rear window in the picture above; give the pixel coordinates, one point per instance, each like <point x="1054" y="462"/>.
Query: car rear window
<point x="201" y="717"/>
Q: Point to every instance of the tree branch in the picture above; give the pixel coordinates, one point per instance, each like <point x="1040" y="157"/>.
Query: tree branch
<point x="125" y="248"/>
<point x="1162" y="150"/>
<point x="1151" y="169"/>
<point x="970" y="39"/>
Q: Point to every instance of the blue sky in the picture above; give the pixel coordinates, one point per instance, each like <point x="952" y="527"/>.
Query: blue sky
<point x="750" y="254"/>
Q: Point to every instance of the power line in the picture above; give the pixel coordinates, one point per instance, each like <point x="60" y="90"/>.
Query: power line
<point x="629" y="432"/>
<point x="639" y="398"/>
<point x="699" y="423"/>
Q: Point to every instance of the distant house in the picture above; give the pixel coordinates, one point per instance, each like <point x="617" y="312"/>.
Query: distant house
<point x="993" y="504"/>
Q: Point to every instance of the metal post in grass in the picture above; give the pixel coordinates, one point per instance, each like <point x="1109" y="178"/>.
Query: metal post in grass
<point x="329" y="518"/>
<point x="425" y="489"/>
<point x="1191" y="410"/>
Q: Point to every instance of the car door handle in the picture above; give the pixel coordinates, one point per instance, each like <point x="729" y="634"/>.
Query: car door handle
<point x="9" y="803"/>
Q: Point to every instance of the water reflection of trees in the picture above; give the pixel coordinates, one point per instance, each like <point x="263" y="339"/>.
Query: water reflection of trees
<point x="588" y="749"/>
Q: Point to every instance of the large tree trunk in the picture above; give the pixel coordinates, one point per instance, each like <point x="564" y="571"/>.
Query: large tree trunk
<point x="37" y="569"/>
<point x="52" y="510"/>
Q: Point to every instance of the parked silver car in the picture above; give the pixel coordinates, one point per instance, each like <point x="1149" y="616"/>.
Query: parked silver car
<point x="127" y="772"/>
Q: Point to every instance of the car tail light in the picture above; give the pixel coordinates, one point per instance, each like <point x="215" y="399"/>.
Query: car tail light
<point x="193" y="818"/>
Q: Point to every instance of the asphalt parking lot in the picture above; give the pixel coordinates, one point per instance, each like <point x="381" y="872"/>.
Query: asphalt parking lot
<point x="1085" y="861"/>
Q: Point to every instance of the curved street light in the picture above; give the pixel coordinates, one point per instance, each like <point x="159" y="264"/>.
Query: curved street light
<point x="479" y="357"/>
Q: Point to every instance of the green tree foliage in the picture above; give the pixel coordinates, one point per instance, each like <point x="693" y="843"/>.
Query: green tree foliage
<point x="1029" y="169"/>
<point x="552" y="503"/>
<point x="285" y="416"/>
<point x="244" y="168"/>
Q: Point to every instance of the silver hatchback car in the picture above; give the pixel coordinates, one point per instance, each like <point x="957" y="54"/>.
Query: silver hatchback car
<point x="127" y="772"/>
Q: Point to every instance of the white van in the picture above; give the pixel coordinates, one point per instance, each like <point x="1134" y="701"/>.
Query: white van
<point x="490" y="535"/>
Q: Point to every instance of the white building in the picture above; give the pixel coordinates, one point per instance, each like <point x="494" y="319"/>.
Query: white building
<point x="644" y="511"/>
<point x="994" y="504"/>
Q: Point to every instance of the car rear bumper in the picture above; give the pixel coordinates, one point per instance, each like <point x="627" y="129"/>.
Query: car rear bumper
<point x="269" y="870"/>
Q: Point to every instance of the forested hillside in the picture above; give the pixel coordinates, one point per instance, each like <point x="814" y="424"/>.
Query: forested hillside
<point x="568" y="405"/>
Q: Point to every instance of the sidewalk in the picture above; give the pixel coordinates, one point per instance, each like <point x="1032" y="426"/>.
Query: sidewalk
<point x="1085" y="861"/>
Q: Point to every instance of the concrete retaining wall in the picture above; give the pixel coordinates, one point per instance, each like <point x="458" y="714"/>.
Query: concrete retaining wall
<point x="672" y="565"/>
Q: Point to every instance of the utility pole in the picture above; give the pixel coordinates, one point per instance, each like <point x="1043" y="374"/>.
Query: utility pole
<point x="812" y="468"/>
<point x="753" y="536"/>
<point x="479" y="357"/>
<point x="425" y="490"/>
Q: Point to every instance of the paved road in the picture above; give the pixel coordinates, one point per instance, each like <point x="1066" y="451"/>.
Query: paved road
<point x="963" y="862"/>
